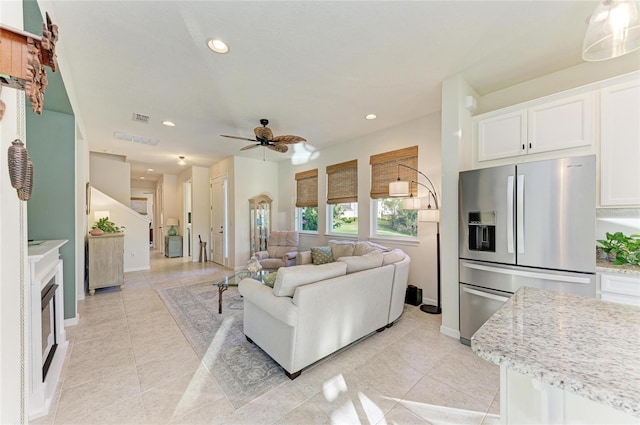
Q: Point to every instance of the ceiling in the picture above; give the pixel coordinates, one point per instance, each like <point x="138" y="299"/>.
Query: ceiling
<point x="313" y="68"/>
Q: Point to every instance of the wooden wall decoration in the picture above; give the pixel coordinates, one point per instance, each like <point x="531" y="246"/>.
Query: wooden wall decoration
<point x="23" y="57"/>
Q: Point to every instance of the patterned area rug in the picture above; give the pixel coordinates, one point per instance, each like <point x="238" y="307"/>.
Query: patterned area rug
<point x="242" y="370"/>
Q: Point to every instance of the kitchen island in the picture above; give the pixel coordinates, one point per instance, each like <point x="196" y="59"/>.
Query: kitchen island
<point x="564" y="358"/>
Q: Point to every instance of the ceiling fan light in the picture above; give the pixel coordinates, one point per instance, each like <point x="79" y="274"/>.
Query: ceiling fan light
<point x="614" y="30"/>
<point x="217" y="45"/>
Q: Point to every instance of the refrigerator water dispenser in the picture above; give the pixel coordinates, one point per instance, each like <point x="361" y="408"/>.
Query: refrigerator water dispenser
<point x="482" y="231"/>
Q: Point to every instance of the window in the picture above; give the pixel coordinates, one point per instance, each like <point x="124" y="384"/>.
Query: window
<point x="307" y="200"/>
<point x="389" y="219"/>
<point x="343" y="218"/>
<point x="342" y="197"/>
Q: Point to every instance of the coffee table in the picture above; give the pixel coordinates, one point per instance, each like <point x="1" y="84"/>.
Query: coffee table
<point x="233" y="280"/>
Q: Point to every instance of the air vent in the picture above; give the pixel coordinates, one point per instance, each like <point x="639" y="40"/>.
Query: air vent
<point x="141" y="117"/>
<point x="135" y="139"/>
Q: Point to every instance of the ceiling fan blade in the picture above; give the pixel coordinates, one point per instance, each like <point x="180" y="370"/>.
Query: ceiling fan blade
<point x="288" y="139"/>
<point x="250" y="147"/>
<point x="239" y="138"/>
<point x="278" y="148"/>
<point x="263" y="133"/>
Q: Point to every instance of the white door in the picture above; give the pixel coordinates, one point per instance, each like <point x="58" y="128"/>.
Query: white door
<point x="219" y="220"/>
<point x="158" y="231"/>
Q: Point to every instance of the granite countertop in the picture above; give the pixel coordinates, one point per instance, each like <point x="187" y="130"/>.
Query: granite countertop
<point x="608" y="267"/>
<point x="582" y="345"/>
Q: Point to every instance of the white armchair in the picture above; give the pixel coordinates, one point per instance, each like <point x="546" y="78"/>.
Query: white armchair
<point x="282" y="250"/>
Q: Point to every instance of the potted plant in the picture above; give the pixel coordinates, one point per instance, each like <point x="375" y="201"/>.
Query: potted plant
<point x="104" y="225"/>
<point x="621" y="249"/>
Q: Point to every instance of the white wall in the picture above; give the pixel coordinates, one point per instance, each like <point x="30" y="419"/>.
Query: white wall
<point x="13" y="255"/>
<point x="424" y="132"/>
<point x="111" y="175"/>
<point x="200" y="203"/>
<point x="171" y="206"/>
<point x="251" y="177"/>
<point x="136" y="232"/>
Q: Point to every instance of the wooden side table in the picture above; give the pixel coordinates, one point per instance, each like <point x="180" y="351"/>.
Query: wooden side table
<point x="106" y="261"/>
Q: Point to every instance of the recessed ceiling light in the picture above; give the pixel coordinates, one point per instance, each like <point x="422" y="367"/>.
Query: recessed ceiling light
<point x="182" y="161"/>
<point x="217" y="46"/>
<point x="169" y="123"/>
<point x="370" y="117"/>
<point x="149" y="170"/>
<point x="141" y="177"/>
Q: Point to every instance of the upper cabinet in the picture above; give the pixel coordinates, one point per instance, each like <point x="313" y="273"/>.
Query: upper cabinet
<point x="620" y="145"/>
<point x="561" y="124"/>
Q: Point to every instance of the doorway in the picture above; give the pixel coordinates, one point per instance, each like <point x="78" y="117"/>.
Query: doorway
<point x="219" y="211"/>
<point x="187" y="218"/>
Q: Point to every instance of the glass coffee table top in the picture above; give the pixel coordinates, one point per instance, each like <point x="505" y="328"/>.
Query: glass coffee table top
<point x="233" y="280"/>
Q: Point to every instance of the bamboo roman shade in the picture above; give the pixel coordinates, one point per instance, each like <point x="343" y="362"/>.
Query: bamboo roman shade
<point x="307" y="188"/>
<point x="342" y="182"/>
<point x="384" y="170"/>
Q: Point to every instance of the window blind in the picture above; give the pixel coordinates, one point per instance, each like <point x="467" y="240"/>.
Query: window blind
<point x="342" y="182"/>
<point x="307" y="188"/>
<point x="384" y="170"/>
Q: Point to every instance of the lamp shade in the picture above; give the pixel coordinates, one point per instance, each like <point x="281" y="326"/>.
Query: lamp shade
<point x="614" y="30"/>
<point x="429" y="215"/>
<point x="399" y="189"/>
<point x="412" y="203"/>
<point x="171" y="221"/>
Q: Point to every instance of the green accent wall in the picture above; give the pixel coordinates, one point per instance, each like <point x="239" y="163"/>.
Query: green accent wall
<point x="51" y="145"/>
<point x="51" y="212"/>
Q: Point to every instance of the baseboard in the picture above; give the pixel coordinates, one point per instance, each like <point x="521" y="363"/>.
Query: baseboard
<point x="137" y="269"/>
<point x="453" y="333"/>
<point x="72" y="321"/>
<point x="428" y="301"/>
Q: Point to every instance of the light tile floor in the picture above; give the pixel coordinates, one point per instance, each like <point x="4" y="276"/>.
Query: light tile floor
<point x="128" y="363"/>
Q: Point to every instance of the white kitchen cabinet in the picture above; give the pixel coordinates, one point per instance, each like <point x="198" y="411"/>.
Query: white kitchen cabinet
<point x="620" y="288"/>
<point x="502" y="136"/>
<point x="620" y="145"/>
<point x="561" y="124"/>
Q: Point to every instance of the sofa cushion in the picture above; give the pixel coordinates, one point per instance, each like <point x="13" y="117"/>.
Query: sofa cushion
<point x="341" y="248"/>
<point x="392" y="256"/>
<point x="321" y="255"/>
<point x="363" y="247"/>
<point x="289" y="278"/>
<point x="358" y="263"/>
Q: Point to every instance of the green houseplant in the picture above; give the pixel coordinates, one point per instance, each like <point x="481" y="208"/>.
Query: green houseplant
<point x="104" y="225"/>
<point x="624" y="248"/>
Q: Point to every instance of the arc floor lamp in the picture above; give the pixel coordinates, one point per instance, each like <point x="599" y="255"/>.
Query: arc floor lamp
<point x="401" y="189"/>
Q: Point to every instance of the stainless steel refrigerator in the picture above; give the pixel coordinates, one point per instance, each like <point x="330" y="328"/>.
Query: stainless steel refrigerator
<point x="528" y="224"/>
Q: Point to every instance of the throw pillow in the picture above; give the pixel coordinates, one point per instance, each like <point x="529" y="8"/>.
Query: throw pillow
<point x="392" y="256"/>
<point x="341" y="248"/>
<point x="270" y="279"/>
<point x="289" y="278"/>
<point x="358" y="263"/>
<point x="321" y="255"/>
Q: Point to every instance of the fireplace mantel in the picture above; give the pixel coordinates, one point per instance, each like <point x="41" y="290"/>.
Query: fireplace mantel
<point x="44" y="265"/>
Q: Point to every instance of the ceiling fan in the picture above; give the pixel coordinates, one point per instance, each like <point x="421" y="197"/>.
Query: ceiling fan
<point x="264" y="138"/>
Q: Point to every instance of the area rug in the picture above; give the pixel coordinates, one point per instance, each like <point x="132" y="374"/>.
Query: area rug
<point x="242" y="370"/>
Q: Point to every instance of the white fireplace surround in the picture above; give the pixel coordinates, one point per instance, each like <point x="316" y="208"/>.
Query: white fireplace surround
<point x="44" y="264"/>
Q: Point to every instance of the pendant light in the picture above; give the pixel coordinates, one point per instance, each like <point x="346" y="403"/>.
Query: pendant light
<point x="614" y="30"/>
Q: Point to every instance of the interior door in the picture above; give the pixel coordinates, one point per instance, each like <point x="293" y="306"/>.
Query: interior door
<point x="219" y="248"/>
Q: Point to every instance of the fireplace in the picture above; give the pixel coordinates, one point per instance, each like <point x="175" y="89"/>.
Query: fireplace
<point x="46" y="325"/>
<point x="49" y="334"/>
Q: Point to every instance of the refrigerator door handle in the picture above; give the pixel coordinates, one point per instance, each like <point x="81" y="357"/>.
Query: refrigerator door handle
<point x="520" y="213"/>
<point x="510" y="214"/>
<point x="524" y="273"/>
<point x="484" y="294"/>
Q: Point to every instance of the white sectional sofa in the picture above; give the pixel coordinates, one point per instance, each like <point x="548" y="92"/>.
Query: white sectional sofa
<point x="314" y="310"/>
